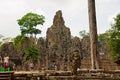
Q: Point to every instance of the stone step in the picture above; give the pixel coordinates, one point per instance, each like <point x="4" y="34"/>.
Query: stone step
<point x="104" y="63"/>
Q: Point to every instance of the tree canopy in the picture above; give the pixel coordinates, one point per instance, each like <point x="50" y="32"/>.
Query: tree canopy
<point x="19" y="40"/>
<point x="29" y="22"/>
<point x="83" y="33"/>
<point x="33" y="54"/>
<point x="28" y="26"/>
<point x="103" y="38"/>
<point x="5" y="39"/>
<point x="114" y="40"/>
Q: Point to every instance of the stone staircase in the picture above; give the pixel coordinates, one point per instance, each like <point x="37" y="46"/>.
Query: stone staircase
<point x="105" y="64"/>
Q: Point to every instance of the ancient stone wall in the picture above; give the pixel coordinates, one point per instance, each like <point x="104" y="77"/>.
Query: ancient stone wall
<point x="56" y="50"/>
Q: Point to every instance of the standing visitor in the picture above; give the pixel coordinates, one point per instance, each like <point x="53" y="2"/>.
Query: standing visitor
<point x="13" y="66"/>
<point x="6" y="61"/>
<point x="31" y="65"/>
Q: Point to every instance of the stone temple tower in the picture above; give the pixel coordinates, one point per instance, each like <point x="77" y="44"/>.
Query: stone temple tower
<point x="58" y="43"/>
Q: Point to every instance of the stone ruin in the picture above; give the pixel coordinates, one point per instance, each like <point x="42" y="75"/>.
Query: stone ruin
<point x="56" y="50"/>
<point x="58" y="43"/>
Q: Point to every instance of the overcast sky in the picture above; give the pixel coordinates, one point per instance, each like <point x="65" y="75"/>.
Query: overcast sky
<point x="75" y="13"/>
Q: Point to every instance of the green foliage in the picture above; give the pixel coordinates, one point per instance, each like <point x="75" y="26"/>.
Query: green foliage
<point x="29" y="22"/>
<point x="0" y="39"/>
<point x="103" y="39"/>
<point x="32" y="53"/>
<point x="1" y="36"/>
<point x="8" y="39"/>
<point x="19" y="40"/>
<point x="5" y="39"/>
<point x="83" y="33"/>
<point x="114" y="41"/>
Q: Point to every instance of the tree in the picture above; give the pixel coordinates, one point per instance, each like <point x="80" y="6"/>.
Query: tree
<point x="33" y="54"/>
<point x="29" y="22"/>
<point x="114" y="41"/>
<point x="83" y="33"/>
<point x="1" y="38"/>
<point x="93" y="33"/>
<point x="19" y="40"/>
<point x="5" y="39"/>
<point x="103" y="38"/>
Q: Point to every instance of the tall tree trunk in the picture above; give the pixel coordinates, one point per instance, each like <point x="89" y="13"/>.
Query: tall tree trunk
<point x="93" y="33"/>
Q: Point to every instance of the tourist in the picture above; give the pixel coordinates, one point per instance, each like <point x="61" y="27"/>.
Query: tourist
<point x="31" y="65"/>
<point x="13" y="66"/>
<point x="55" y="66"/>
<point x="6" y="61"/>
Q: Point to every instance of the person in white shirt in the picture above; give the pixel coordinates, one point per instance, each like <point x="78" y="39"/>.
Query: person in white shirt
<point x="6" y="60"/>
